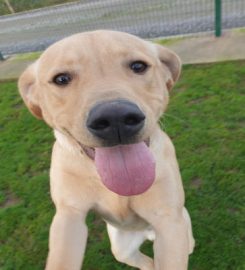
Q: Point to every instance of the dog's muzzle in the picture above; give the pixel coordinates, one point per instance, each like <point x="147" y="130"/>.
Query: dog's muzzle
<point x="124" y="163"/>
<point x="116" y="121"/>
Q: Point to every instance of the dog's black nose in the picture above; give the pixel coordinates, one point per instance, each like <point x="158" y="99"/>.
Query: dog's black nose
<point x="115" y="121"/>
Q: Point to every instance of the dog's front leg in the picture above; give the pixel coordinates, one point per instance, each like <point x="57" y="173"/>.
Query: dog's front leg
<point x="171" y="244"/>
<point x="67" y="241"/>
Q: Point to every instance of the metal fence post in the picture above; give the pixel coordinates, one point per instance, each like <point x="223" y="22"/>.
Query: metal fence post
<point x="218" y="18"/>
<point x="1" y="57"/>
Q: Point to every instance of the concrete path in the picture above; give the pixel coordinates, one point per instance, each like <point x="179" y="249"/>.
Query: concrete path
<point x="208" y="49"/>
<point x="192" y="50"/>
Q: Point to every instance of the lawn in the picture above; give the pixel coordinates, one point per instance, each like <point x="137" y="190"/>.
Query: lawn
<point x="205" y="119"/>
<point x="23" y="5"/>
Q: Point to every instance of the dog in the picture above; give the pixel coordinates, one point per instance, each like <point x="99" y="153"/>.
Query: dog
<point x="103" y="92"/>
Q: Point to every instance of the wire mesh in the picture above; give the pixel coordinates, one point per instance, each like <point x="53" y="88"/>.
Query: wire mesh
<point x="35" y="30"/>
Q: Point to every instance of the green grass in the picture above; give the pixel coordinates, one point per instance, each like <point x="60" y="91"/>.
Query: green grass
<point x="23" y="5"/>
<point x="169" y="41"/>
<point x="205" y="119"/>
<point x="240" y="30"/>
<point x="27" y="56"/>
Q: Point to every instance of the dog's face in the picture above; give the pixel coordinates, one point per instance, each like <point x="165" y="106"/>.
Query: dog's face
<point x="101" y="88"/>
<point x="78" y="73"/>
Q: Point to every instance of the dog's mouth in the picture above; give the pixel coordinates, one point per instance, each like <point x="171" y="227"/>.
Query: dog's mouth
<point x="124" y="169"/>
<point x="90" y="151"/>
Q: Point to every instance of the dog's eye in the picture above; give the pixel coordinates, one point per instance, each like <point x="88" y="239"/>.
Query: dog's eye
<point x="138" y="67"/>
<point x="62" y="79"/>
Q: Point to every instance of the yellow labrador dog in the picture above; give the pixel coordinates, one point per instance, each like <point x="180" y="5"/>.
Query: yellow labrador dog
<point x="103" y="93"/>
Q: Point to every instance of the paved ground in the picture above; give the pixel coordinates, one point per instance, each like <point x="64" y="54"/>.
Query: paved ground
<point x="35" y="30"/>
<point x="203" y="49"/>
<point x="208" y="49"/>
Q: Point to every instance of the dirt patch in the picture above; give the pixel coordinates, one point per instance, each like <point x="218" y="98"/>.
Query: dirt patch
<point x="198" y="100"/>
<point x="10" y="200"/>
<point x="196" y="183"/>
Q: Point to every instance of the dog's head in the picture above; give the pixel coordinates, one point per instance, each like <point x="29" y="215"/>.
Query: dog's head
<point x="102" y="88"/>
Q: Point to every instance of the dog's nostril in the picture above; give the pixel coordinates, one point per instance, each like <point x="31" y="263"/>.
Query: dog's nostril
<point x="132" y="120"/>
<point x="100" y="124"/>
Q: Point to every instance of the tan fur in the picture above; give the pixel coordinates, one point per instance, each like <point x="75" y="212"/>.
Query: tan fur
<point x="98" y="62"/>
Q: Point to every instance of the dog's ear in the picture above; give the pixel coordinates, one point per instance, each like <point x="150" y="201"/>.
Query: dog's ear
<point x="173" y="63"/>
<point x="28" y="90"/>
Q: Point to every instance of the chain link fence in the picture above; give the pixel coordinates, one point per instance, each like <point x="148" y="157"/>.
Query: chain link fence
<point x="35" y="30"/>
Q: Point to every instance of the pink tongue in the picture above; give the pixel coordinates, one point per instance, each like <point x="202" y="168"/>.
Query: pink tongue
<point x="126" y="169"/>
